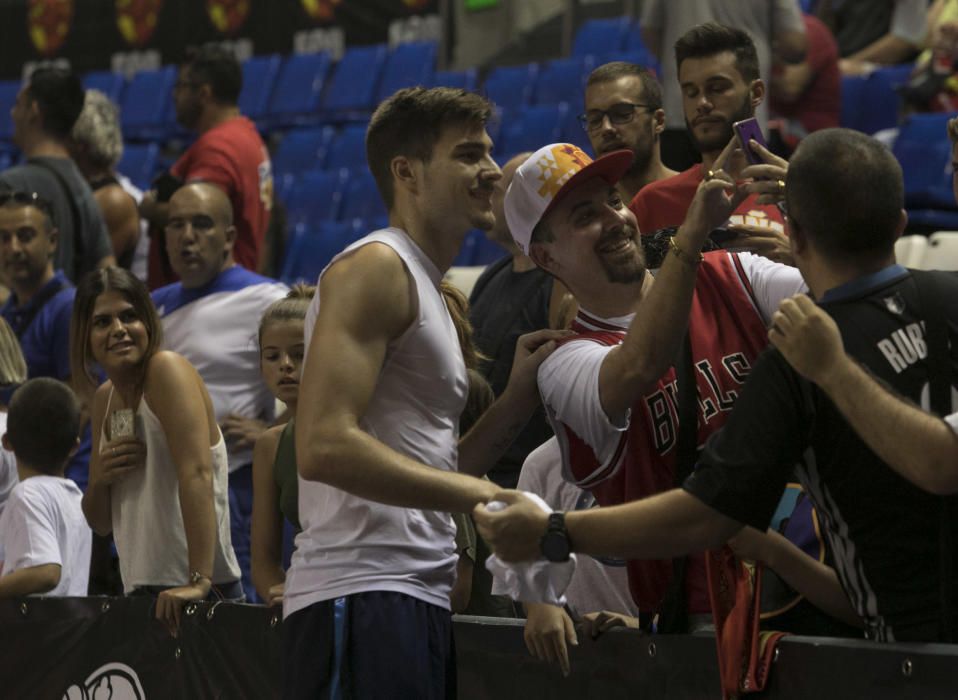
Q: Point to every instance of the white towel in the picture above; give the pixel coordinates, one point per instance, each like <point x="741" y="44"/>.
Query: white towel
<point x="539" y="581"/>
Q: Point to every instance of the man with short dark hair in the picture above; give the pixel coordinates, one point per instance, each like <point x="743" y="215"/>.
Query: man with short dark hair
<point x="890" y="538"/>
<point x="775" y="26"/>
<point x="377" y="442"/>
<point x="44" y="537"/>
<point x="512" y="296"/>
<point x="229" y="153"/>
<point x="46" y="109"/>
<point x="623" y="109"/>
<point x="718" y="69"/>
<point x="41" y="298"/>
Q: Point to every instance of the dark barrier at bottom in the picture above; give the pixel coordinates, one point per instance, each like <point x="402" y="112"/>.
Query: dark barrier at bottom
<point x="113" y="649"/>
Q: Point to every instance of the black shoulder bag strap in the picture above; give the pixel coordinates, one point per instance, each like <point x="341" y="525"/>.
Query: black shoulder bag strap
<point x="674" y="613"/>
<point x="939" y="393"/>
<point x="78" y="247"/>
<point x="39" y="301"/>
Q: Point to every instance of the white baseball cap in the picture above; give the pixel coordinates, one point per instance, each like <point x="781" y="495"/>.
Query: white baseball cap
<point x="547" y="176"/>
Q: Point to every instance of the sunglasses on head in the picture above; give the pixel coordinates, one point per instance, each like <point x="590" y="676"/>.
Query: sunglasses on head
<point x="31" y="199"/>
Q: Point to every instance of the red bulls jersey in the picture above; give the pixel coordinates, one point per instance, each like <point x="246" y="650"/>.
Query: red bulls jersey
<point x="726" y="333"/>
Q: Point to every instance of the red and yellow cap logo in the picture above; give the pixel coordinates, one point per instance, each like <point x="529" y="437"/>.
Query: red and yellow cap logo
<point x="557" y="164"/>
<point x="227" y="15"/>
<point x="48" y="23"/>
<point x="320" y="10"/>
<point x="136" y="20"/>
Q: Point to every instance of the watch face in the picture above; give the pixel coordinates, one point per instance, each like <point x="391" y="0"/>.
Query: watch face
<point x="555" y="546"/>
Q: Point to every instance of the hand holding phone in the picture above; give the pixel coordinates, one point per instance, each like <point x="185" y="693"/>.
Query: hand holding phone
<point x="122" y="424"/>
<point x="748" y="129"/>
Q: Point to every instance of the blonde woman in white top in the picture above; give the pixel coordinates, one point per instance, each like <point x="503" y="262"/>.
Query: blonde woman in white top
<point x="158" y="464"/>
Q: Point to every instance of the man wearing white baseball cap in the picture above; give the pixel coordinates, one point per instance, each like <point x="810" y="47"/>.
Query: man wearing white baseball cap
<point x="614" y="392"/>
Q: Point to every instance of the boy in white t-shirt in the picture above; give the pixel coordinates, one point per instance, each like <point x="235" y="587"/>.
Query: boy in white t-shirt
<point x="44" y="538"/>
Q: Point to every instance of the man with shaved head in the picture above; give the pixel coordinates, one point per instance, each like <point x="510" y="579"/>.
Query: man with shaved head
<point x="211" y="317"/>
<point x="511" y="297"/>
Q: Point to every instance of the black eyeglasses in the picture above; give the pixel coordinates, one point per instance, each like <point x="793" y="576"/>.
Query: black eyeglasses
<point x="27" y="199"/>
<point x="621" y="113"/>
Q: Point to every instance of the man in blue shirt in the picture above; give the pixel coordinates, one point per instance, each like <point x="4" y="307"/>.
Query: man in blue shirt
<point x="211" y="317"/>
<point x="41" y="299"/>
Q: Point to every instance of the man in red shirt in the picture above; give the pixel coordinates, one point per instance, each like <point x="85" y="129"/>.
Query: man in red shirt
<point x="229" y="153"/>
<point x="719" y="74"/>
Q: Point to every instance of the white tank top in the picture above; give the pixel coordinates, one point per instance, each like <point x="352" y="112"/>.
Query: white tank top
<point x="147" y="521"/>
<point x="349" y="544"/>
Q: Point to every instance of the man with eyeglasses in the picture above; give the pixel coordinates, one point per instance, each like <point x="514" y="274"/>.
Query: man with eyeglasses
<point x="229" y="153"/>
<point x="623" y="110"/>
<point x="718" y="69"/>
<point x="211" y="317"/>
<point x="41" y="299"/>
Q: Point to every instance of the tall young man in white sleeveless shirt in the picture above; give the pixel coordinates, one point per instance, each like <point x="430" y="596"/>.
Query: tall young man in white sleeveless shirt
<point x="378" y="451"/>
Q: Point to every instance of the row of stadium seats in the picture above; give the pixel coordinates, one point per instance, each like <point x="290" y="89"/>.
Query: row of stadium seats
<point x="307" y="88"/>
<point x="924" y="151"/>
<point x="311" y="246"/>
<point x="870" y="103"/>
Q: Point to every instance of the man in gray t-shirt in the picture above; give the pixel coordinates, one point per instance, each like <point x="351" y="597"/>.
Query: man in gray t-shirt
<point x="43" y="117"/>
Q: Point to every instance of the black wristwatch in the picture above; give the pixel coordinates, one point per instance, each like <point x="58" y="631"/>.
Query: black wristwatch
<point x="555" y="544"/>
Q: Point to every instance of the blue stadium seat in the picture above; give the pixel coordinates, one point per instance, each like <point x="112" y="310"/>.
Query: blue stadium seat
<point x="301" y="150"/>
<point x="924" y="152"/>
<point x="933" y="219"/>
<point x="533" y="128"/>
<point x="310" y="249"/>
<point x="486" y="251"/>
<point x="354" y="86"/>
<point x="299" y="84"/>
<point x="571" y="131"/>
<point x="563" y="80"/>
<point x="511" y="87"/>
<point x="853" y="90"/>
<point x="361" y="199"/>
<point x="148" y="103"/>
<point x="639" y="58"/>
<point x="259" y="76"/>
<point x="467" y="253"/>
<point x="139" y="163"/>
<point x="348" y="148"/>
<point x="601" y="36"/>
<point x="313" y="197"/>
<point x="465" y="79"/>
<point x="109" y="83"/>
<point x="880" y="102"/>
<point x="407" y="65"/>
<point x="635" y="46"/>
<point x="8" y="95"/>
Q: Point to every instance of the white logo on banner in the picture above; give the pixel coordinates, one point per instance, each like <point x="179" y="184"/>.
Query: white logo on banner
<point x="112" y="681"/>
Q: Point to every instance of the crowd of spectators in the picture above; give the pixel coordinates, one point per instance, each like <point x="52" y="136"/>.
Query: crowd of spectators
<point x="333" y="449"/>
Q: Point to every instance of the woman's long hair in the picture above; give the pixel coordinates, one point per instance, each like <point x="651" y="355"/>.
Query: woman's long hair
<point x="93" y="284"/>
<point x="13" y="368"/>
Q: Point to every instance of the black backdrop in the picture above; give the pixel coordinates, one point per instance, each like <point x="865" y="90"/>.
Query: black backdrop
<point x="87" y="32"/>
